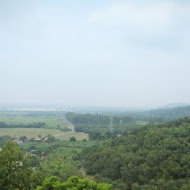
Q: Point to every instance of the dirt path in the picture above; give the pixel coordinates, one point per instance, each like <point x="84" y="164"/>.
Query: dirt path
<point x="69" y="125"/>
<point x="69" y="134"/>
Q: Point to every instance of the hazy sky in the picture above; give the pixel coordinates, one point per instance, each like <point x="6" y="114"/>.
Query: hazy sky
<point x="132" y="53"/>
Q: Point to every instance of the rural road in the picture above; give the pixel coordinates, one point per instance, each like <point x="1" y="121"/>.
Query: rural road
<point x="69" y="125"/>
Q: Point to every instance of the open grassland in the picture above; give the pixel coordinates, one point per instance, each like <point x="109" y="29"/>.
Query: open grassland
<point x="78" y="136"/>
<point x="28" y="132"/>
<point x="55" y="124"/>
<point x="35" y="132"/>
<point x="49" y="122"/>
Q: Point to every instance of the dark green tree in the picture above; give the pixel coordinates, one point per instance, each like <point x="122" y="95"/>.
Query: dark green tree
<point x="22" y="138"/>
<point x="72" y="139"/>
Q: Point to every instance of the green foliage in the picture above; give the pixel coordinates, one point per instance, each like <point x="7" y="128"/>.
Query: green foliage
<point x="59" y="158"/>
<point x="100" y="126"/>
<point x="33" y="119"/>
<point x="44" y="149"/>
<point x="61" y="162"/>
<point x="96" y="123"/>
<point x="4" y="140"/>
<point x="14" y="171"/>
<point x="29" y="125"/>
<point x="22" y="138"/>
<point x="147" y="157"/>
<point x="88" y="123"/>
<point x="72" y="139"/>
<point x="102" y="136"/>
<point x="50" y="138"/>
<point x="74" y="183"/>
<point x="170" y="113"/>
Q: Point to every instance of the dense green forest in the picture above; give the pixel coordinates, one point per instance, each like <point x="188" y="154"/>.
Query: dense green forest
<point x="149" y="157"/>
<point x="121" y="121"/>
<point x="89" y="123"/>
<point x="102" y="124"/>
<point x="44" y="166"/>
<point x="146" y="157"/>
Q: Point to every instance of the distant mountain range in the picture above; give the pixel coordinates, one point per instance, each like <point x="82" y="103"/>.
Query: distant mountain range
<point x="171" y="112"/>
<point x="175" y="105"/>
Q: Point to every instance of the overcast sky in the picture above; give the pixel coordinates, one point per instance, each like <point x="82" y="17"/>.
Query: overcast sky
<point x="131" y="53"/>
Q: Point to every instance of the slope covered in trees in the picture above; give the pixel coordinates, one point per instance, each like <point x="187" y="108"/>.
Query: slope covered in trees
<point x="16" y="172"/>
<point x="103" y="124"/>
<point x="88" y="123"/>
<point x="151" y="157"/>
<point x="169" y="113"/>
<point x="74" y="182"/>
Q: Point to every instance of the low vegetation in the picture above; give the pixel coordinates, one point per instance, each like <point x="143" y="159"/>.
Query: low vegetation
<point x="33" y="120"/>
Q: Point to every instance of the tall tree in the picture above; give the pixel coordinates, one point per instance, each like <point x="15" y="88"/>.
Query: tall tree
<point x="14" y="170"/>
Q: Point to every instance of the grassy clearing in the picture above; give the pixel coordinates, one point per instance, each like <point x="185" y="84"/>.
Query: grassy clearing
<point x="28" y="132"/>
<point x="50" y="123"/>
<point x="35" y="132"/>
<point x="53" y="123"/>
<point x="78" y="136"/>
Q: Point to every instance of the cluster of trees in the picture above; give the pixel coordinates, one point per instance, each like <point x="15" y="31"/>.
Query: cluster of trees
<point x="29" y="125"/>
<point x="88" y="123"/>
<point x="59" y="158"/>
<point x="87" y="118"/>
<point x="102" y="136"/>
<point x="44" y="114"/>
<point x="99" y="125"/>
<point x="16" y="173"/>
<point x="96" y="123"/>
<point x="74" y="182"/>
<point x="14" y="169"/>
<point x="151" y="157"/>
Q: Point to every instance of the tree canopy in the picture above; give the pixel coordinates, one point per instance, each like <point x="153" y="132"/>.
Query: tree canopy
<point x="149" y="157"/>
<point x="14" y="170"/>
<point x="74" y="183"/>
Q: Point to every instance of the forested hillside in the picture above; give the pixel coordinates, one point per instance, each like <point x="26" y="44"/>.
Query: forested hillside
<point x="49" y="166"/>
<point x="105" y="123"/>
<point x="89" y="122"/>
<point x="145" y="157"/>
<point x="170" y="113"/>
<point x="151" y="157"/>
<point x="120" y="122"/>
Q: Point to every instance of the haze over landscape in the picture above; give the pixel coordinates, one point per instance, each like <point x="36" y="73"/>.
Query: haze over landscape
<point x="99" y="53"/>
<point x="94" y="95"/>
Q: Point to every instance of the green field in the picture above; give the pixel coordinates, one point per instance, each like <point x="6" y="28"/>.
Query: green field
<point x="54" y="125"/>
<point x="28" y="132"/>
<point x="50" y="122"/>
<point x="34" y="132"/>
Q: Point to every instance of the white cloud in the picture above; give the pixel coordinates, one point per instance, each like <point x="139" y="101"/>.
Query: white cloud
<point x="131" y="13"/>
<point x="155" y="18"/>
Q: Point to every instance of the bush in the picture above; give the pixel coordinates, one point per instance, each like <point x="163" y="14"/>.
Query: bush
<point x="72" y="139"/>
